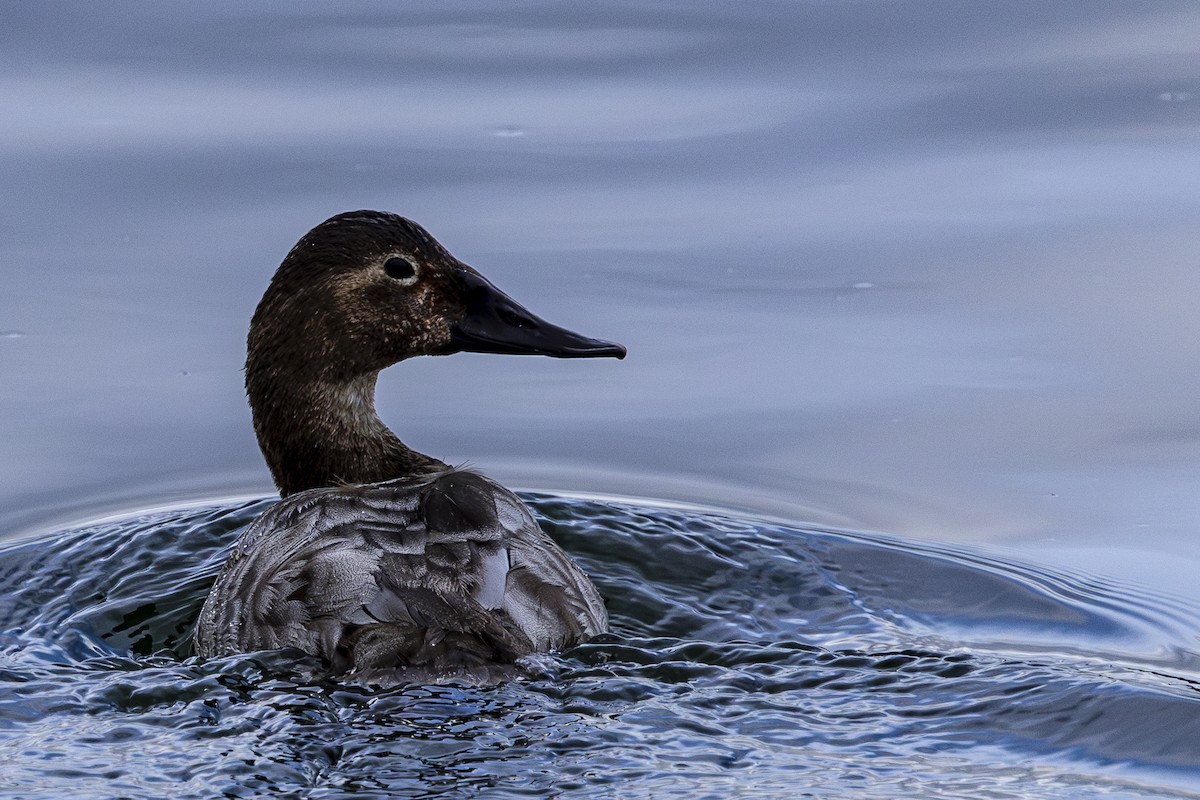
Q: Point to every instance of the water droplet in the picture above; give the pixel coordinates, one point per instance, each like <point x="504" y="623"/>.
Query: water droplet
<point x="508" y="132"/>
<point x="1175" y="97"/>
<point x="863" y="285"/>
<point x="13" y="334"/>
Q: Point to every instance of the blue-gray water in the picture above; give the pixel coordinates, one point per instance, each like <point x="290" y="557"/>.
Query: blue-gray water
<point x="926" y="268"/>
<point x="747" y="659"/>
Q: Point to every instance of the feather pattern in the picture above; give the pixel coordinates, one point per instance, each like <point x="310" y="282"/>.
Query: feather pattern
<point x="444" y="574"/>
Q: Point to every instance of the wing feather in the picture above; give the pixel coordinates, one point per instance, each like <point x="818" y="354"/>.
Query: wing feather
<point x="444" y="575"/>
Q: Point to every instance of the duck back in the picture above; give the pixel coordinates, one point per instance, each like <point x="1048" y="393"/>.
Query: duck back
<point x="442" y="576"/>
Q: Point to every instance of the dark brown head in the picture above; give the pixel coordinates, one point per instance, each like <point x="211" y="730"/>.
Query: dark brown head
<point x="358" y="293"/>
<point x="366" y="289"/>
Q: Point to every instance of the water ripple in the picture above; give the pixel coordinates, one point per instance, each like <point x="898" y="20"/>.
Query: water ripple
<point x="747" y="658"/>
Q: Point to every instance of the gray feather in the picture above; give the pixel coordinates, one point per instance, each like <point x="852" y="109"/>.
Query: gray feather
<point x="446" y="575"/>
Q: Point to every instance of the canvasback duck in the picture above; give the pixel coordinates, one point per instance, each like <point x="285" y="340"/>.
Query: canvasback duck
<point x="388" y="564"/>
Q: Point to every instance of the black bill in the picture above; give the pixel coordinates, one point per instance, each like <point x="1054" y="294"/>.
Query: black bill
<point x="495" y="323"/>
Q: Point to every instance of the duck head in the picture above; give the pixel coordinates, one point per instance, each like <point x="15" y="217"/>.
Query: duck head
<point x="366" y="289"/>
<point x="358" y="293"/>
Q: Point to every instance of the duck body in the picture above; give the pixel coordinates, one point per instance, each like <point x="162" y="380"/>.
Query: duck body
<point x="443" y="576"/>
<point x="386" y="563"/>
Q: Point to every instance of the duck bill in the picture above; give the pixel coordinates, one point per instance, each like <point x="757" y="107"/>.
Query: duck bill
<point x="495" y="323"/>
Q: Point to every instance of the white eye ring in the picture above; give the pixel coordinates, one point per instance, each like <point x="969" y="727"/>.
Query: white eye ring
<point x="401" y="269"/>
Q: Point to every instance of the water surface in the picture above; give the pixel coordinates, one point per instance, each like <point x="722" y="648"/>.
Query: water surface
<point x="747" y="659"/>
<point x="926" y="268"/>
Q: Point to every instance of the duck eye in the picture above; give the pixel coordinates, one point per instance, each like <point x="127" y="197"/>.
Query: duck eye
<point x="400" y="268"/>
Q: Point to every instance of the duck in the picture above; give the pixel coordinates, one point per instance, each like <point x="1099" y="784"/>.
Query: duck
<point x="387" y="565"/>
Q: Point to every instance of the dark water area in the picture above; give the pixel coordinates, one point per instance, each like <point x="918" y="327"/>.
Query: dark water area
<point x="748" y="659"/>
<point x="923" y="268"/>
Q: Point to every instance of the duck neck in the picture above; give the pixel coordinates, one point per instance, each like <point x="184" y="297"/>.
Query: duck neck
<point x="319" y="432"/>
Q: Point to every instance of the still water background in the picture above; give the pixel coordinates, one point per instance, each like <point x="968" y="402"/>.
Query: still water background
<point x="925" y="268"/>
